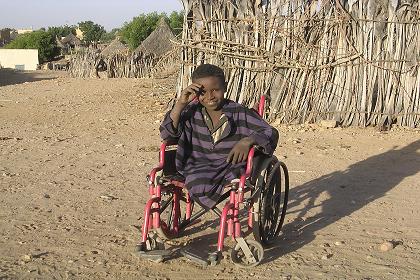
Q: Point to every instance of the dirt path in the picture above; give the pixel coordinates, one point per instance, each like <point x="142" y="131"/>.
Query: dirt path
<point x="73" y="158"/>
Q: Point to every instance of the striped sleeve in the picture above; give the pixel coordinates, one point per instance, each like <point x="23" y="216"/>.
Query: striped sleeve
<point x="167" y="130"/>
<point x="263" y="134"/>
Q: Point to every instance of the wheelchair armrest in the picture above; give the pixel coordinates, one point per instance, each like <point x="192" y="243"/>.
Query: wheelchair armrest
<point x="248" y="168"/>
<point x="163" y="146"/>
<point x="170" y="142"/>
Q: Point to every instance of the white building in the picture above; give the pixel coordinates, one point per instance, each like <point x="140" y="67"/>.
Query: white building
<point x="20" y="59"/>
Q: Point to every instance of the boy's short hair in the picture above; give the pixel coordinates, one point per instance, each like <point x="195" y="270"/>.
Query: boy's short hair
<point x="208" y="70"/>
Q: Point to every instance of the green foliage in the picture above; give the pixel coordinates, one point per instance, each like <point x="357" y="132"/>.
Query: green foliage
<point x="62" y="31"/>
<point x="109" y="36"/>
<point x="134" y="32"/>
<point x="92" y="32"/>
<point x="176" y="20"/>
<point x="41" y="40"/>
<point x="139" y="28"/>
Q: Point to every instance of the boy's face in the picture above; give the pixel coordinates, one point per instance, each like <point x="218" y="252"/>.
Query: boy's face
<point x="212" y="93"/>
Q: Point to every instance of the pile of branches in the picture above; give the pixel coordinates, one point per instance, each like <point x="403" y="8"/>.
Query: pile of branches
<point x="355" y="61"/>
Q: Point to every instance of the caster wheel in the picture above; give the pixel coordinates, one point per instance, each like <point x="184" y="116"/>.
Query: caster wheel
<point x="214" y="258"/>
<point x="243" y="259"/>
<point x="153" y="242"/>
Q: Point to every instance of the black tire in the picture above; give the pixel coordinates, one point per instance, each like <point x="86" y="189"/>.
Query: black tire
<point x="271" y="200"/>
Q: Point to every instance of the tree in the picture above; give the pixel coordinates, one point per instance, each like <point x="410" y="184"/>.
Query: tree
<point x="109" y="36"/>
<point x="176" y="20"/>
<point x="92" y="32"/>
<point x="41" y="40"/>
<point x="140" y="27"/>
<point x="62" y="31"/>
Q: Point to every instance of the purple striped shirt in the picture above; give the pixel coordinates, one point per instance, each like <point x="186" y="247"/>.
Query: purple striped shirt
<point x="201" y="160"/>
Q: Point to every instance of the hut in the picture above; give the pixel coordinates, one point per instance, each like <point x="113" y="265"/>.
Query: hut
<point x="159" y="42"/>
<point x="69" y="43"/>
<point x="116" y="46"/>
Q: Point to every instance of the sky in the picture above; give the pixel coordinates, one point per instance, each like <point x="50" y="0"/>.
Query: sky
<point x="26" y="14"/>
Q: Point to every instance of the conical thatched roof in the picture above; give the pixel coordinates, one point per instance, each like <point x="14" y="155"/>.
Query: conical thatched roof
<point x="159" y="41"/>
<point x="59" y="43"/>
<point x="71" y="40"/>
<point x="115" y="47"/>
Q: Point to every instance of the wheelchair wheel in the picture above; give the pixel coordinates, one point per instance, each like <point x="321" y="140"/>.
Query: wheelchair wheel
<point x="168" y="228"/>
<point x="271" y="203"/>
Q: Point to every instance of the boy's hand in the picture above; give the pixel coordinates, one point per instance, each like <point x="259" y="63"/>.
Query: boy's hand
<point x="189" y="93"/>
<point x="239" y="152"/>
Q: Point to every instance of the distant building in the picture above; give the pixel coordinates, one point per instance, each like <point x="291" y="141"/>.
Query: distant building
<point x="23" y="31"/>
<point x="19" y="59"/>
<point x="79" y="33"/>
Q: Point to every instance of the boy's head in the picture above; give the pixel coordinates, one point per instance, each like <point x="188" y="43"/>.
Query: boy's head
<point x="213" y="85"/>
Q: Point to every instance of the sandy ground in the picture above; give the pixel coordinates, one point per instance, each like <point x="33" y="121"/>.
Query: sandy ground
<point x="74" y="154"/>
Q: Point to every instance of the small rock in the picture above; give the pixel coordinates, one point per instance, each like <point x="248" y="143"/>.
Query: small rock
<point x="326" y="257"/>
<point x="329" y="123"/>
<point x="46" y="195"/>
<point x="299" y="153"/>
<point x="326" y="245"/>
<point x="26" y="258"/>
<point x="339" y="243"/>
<point x="119" y="145"/>
<point x="386" y="246"/>
<point x="108" y="197"/>
<point x="276" y="122"/>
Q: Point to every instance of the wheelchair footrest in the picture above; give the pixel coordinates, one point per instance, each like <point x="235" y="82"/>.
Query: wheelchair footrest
<point x="195" y="255"/>
<point x="155" y="255"/>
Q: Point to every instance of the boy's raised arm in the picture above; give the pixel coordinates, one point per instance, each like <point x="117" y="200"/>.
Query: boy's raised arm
<point x="187" y="95"/>
<point x="170" y="125"/>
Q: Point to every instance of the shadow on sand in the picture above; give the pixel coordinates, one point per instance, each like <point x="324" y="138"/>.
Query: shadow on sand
<point x="349" y="191"/>
<point x="14" y="77"/>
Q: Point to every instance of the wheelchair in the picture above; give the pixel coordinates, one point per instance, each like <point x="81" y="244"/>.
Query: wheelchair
<point x="261" y="192"/>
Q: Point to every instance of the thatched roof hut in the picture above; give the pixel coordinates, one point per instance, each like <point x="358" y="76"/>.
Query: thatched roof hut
<point x="71" y="40"/>
<point x="59" y="43"/>
<point x="159" y="42"/>
<point x="114" y="47"/>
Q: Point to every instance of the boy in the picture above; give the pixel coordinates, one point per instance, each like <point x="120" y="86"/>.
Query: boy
<point x="214" y="135"/>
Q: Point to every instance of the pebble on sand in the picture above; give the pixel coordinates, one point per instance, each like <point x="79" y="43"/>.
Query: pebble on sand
<point x="386" y="246"/>
<point x="326" y="257"/>
<point x="26" y="258"/>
